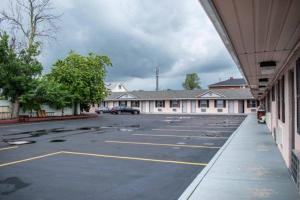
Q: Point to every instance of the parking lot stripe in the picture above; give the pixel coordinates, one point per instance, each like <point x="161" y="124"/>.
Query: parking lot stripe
<point x="7" y="148"/>
<point x="176" y="126"/>
<point x="29" y="159"/>
<point x="135" y="158"/>
<point x="160" y="144"/>
<point x="179" y="136"/>
<point x="177" y="130"/>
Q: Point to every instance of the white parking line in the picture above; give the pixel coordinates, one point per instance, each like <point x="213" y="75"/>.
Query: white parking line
<point x="163" y="144"/>
<point x="178" y="136"/>
<point x="176" y="126"/>
<point x="7" y="148"/>
<point x="198" y="131"/>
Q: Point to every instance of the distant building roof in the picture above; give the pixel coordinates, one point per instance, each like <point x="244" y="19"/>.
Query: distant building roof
<point x="116" y="87"/>
<point x="243" y="93"/>
<point x="230" y="82"/>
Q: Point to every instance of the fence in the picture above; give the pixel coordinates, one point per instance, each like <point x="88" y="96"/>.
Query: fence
<point x="5" y="115"/>
<point x="5" y="112"/>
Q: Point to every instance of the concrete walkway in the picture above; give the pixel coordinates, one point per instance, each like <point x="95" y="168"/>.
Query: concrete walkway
<point x="248" y="166"/>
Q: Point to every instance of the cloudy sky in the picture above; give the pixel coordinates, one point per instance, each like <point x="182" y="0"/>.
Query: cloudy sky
<point x="140" y="35"/>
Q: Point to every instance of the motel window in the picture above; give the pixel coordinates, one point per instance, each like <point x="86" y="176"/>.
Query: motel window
<point x="282" y="100"/>
<point x="251" y="103"/>
<point x="159" y="104"/>
<point x="220" y="103"/>
<point x="278" y="99"/>
<point x="135" y="104"/>
<point x="203" y="103"/>
<point x="174" y="104"/>
<point x="273" y="93"/>
<point x="123" y="103"/>
<point x="298" y="94"/>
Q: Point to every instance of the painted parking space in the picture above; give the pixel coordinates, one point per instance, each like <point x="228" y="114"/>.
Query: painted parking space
<point x="120" y="153"/>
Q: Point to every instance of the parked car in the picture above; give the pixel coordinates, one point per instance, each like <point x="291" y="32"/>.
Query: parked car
<point x="121" y="109"/>
<point x="102" y="110"/>
<point x="261" y="114"/>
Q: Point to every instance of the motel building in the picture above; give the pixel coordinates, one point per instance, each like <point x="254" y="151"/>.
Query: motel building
<point x="214" y="101"/>
<point x="263" y="38"/>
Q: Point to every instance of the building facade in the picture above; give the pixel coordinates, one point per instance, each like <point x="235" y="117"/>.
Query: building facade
<point x="230" y="101"/>
<point x="263" y="38"/>
<point x="116" y="87"/>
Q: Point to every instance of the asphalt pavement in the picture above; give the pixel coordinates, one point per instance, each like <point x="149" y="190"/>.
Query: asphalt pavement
<point x="109" y="157"/>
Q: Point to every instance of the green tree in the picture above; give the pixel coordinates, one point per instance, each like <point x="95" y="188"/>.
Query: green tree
<point x="83" y="77"/>
<point x="49" y="92"/>
<point x="18" y="71"/>
<point x="192" y="81"/>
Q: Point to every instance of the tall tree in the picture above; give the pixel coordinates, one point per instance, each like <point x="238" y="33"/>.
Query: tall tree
<point x="18" y="72"/>
<point x="192" y="81"/>
<point x="31" y="19"/>
<point x="83" y="76"/>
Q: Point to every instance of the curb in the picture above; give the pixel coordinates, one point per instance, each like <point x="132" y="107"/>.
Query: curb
<point x="196" y="182"/>
<point x="30" y="120"/>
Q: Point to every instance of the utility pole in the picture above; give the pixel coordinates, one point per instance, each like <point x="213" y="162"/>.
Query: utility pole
<point x="157" y="76"/>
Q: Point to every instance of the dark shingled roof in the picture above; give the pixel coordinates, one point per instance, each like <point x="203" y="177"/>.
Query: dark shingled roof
<point x="243" y="93"/>
<point x="231" y="82"/>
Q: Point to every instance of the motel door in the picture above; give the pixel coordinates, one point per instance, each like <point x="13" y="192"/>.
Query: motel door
<point x="151" y="106"/>
<point x="193" y="106"/>
<point x="231" y="106"/>
<point x="241" y="106"/>
<point x="184" y="106"/>
<point x="144" y="106"/>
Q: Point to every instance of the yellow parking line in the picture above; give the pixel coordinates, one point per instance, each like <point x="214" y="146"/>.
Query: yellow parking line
<point x="29" y="159"/>
<point x="7" y="148"/>
<point x="160" y="144"/>
<point x="135" y="158"/>
<point x="179" y="136"/>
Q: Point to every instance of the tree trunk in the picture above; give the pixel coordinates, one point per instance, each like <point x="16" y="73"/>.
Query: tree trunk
<point x="15" y="109"/>
<point x="62" y="112"/>
<point x="75" y="109"/>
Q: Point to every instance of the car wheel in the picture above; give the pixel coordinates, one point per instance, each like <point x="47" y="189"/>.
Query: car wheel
<point x="119" y="112"/>
<point x="135" y="112"/>
<point x="101" y="112"/>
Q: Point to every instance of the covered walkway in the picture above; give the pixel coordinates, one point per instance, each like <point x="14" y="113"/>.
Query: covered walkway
<point x="249" y="166"/>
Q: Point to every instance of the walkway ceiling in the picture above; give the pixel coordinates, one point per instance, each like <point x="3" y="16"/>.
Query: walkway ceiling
<point x="257" y="32"/>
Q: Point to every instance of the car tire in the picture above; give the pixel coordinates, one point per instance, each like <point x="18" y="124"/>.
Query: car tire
<point x="135" y="112"/>
<point x="119" y="112"/>
<point x="101" y="112"/>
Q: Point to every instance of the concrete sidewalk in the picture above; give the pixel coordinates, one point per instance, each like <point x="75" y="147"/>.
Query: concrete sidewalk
<point x="248" y="166"/>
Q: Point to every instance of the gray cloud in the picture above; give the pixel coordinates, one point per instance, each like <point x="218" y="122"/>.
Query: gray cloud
<point x="139" y="35"/>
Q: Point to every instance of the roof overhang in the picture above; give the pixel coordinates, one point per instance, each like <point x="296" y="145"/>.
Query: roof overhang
<point x="257" y="34"/>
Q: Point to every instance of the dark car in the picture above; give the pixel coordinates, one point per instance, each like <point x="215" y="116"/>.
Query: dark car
<point x="102" y="110"/>
<point x="121" y="109"/>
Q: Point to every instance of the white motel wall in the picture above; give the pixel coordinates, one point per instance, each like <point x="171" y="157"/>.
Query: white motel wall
<point x="282" y="104"/>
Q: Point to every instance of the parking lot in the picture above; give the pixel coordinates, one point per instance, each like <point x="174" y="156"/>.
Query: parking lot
<point x="109" y="157"/>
